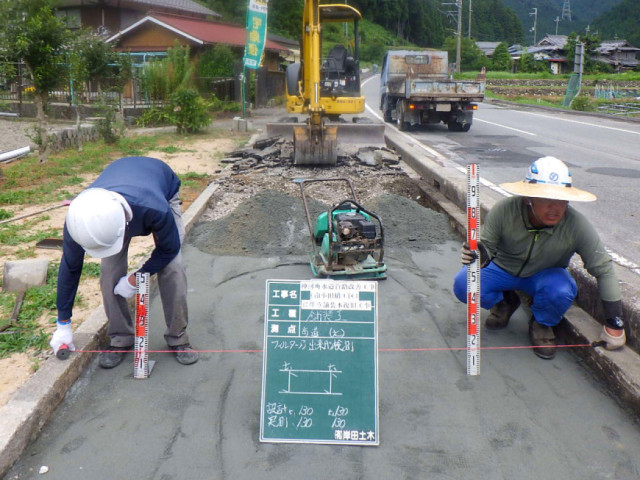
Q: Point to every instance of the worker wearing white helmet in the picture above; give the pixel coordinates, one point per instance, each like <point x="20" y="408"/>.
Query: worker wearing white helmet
<point x="134" y="196"/>
<point x="526" y="243"/>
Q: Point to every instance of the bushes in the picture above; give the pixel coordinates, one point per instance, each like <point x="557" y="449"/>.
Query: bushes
<point x="582" y="103"/>
<point x="190" y="111"/>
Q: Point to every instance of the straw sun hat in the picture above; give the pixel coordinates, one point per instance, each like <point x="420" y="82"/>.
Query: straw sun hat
<point x="549" y="178"/>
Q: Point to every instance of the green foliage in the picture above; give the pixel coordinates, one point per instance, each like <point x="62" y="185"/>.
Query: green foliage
<point x="5" y="214"/>
<point x="190" y="111"/>
<point x="620" y="22"/>
<point x="37" y="301"/>
<point x="91" y="269"/>
<point x="493" y="21"/>
<point x="591" y="43"/>
<point x="472" y="57"/>
<point x="108" y="125"/>
<point x="155" y="117"/>
<point x="582" y="103"/>
<point x="216" y="62"/>
<point x="161" y="78"/>
<point x="501" y="59"/>
<point x="31" y="32"/>
<point x="528" y="64"/>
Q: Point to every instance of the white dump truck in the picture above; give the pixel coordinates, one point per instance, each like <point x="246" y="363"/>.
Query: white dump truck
<point x="416" y="88"/>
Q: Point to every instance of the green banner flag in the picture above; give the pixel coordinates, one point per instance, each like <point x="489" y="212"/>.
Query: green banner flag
<point x="256" y="33"/>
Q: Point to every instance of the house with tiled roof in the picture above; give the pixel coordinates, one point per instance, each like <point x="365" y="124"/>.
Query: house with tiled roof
<point x="111" y="16"/>
<point x="620" y="54"/>
<point x="158" y="32"/>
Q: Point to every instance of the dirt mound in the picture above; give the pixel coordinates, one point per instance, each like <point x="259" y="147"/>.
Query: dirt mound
<point x="274" y="223"/>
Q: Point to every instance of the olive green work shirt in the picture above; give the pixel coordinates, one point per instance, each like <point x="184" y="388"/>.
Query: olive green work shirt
<point x="523" y="250"/>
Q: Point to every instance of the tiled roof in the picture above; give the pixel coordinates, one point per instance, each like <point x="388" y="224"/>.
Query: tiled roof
<point x="200" y="31"/>
<point x="178" y="5"/>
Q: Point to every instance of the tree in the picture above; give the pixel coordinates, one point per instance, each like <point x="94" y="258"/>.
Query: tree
<point x="528" y="64"/>
<point x="591" y="43"/>
<point x="501" y="60"/>
<point x="216" y="62"/>
<point x="31" y="33"/>
<point x="472" y="57"/>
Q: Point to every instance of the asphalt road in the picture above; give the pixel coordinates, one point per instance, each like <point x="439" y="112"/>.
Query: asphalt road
<point x="603" y="155"/>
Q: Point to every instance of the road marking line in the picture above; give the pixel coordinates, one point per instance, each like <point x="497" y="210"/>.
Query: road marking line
<point x="508" y="128"/>
<point x="581" y="123"/>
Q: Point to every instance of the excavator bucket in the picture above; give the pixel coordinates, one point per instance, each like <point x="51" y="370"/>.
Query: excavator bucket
<point x="339" y="139"/>
<point x="315" y="148"/>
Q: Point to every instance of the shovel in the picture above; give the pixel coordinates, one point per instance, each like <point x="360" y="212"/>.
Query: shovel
<point x="18" y="276"/>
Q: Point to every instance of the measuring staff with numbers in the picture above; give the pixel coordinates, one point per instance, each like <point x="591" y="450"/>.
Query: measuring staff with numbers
<point x="526" y="244"/>
<point x="133" y="196"/>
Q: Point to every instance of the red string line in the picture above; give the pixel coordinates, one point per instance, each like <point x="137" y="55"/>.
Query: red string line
<point x="426" y="349"/>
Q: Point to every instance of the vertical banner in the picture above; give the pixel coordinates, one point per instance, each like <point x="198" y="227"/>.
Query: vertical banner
<point x="256" y="33"/>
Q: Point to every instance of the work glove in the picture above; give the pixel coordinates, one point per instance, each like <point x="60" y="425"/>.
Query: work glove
<point x="469" y="256"/>
<point x="124" y="288"/>
<point x="613" y="342"/>
<point x="62" y="336"/>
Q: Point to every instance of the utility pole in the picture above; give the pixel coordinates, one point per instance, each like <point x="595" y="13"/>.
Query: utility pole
<point x="459" y="42"/>
<point x="470" y="15"/>
<point x="535" y="24"/>
<point x="458" y="17"/>
<point x="557" y="20"/>
<point x="566" y="10"/>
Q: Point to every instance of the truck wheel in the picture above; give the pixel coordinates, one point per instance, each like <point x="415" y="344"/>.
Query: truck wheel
<point x="386" y="110"/>
<point x="458" y="127"/>
<point x="402" y="125"/>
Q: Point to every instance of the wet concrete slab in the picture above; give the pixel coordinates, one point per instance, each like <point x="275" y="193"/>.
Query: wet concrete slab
<point x="523" y="417"/>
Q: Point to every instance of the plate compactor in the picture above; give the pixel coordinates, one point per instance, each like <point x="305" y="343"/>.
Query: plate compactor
<point x="347" y="239"/>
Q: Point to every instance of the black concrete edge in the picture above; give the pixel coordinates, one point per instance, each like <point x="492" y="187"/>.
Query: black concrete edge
<point x="620" y="370"/>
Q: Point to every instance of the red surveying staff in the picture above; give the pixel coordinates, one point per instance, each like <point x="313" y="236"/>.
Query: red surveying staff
<point x="473" y="271"/>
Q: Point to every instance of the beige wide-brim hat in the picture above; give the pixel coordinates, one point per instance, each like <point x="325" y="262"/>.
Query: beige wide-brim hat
<point x="550" y="178"/>
<point x="553" y="192"/>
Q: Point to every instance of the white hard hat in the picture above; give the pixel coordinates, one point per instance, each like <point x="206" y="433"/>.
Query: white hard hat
<point x="96" y="220"/>
<point x="549" y="178"/>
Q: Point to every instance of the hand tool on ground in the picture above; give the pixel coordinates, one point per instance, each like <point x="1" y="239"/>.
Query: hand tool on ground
<point x="347" y="239"/>
<point x="63" y="352"/>
<point x="20" y="275"/>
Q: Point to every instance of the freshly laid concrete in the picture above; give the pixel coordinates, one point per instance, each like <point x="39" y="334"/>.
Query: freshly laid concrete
<point x="523" y="417"/>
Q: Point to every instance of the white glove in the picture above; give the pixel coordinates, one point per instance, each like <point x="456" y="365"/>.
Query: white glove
<point x="124" y="288"/>
<point x="62" y="336"/>
<point x="611" y="342"/>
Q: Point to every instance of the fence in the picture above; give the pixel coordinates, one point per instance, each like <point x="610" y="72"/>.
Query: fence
<point x="15" y="90"/>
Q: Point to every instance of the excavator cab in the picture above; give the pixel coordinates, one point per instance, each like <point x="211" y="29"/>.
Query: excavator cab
<point x="324" y="88"/>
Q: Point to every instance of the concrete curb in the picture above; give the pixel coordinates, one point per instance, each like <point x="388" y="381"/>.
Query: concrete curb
<point x="32" y="405"/>
<point x="620" y="370"/>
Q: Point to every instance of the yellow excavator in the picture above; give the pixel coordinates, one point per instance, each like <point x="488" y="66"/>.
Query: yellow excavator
<point x="323" y="89"/>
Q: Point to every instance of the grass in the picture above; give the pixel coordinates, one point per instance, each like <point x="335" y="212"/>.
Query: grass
<point x="38" y="301"/>
<point x="192" y="179"/>
<point x="28" y="182"/>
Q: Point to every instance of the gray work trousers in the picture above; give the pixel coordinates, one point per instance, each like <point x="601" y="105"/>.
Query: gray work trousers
<point x="172" y="284"/>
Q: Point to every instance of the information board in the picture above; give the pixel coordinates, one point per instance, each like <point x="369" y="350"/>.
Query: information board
<point x="320" y="365"/>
